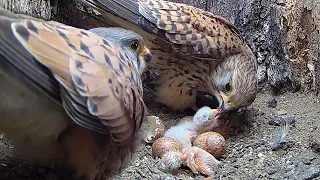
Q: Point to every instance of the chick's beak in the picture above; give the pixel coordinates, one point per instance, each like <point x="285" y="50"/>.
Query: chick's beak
<point x="146" y="54"/>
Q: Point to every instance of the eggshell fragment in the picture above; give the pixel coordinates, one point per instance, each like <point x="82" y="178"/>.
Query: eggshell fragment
<point x="212" y="142"/>
<point x="152" y="128"/>
<point x="165" y="144"/>
<point x="171" y="161"/>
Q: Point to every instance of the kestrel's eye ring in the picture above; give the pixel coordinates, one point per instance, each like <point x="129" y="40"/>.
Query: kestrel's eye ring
<point x="134" y="45"/>
<point x="228" y="87"/>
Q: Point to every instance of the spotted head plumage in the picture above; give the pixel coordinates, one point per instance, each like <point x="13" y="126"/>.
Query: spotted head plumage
<point x="235" y="80"/>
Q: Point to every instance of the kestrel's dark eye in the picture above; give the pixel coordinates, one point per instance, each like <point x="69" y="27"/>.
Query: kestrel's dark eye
<point x="134" y="45"/>
<point x="228" y="87"/>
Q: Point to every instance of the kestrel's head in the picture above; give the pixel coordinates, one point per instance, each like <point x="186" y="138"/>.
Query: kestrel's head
<point x="130" y="41"/>
<point x="236" y="82"/>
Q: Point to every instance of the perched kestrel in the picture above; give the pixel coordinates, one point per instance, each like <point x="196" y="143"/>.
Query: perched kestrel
<point x="194" y="50"/>
<point x="70" y="97"/>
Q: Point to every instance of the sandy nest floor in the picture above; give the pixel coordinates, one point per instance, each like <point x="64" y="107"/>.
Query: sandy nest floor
<point x="249" y="154"/>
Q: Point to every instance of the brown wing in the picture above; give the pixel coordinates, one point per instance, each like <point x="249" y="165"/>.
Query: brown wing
<point x="98" y="81"/>
<point x="187" y="31"/>
<point x="191" y="31"/>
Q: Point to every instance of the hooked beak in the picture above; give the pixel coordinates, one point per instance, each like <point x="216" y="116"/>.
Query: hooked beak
<point x="224" y="103"/>
<point x="226" y="107"/>
<point x="146" y="54"/>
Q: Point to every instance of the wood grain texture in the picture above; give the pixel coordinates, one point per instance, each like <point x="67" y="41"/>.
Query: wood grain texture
<point x="35" y="8"/>
<point x="284" y="36"/>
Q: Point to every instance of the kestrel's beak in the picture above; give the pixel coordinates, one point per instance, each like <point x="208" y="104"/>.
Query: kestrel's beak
<point x="226" y="104"/>
<point x="146" y="54"/>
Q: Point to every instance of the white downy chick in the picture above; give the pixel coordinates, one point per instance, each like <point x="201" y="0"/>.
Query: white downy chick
<point x="204" y="120"/>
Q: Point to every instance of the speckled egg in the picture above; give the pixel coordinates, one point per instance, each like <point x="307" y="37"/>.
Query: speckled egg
<point x="212" y="142"/>
<point x="223" y="129"/>
<point x="165" y="144"/>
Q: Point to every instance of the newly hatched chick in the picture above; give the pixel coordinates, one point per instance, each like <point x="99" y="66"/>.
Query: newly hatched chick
<point x="170" y="152"/>
<point x="200" y="161"/>
<point x="181" y="136"/>
<point x="185" y="132"/>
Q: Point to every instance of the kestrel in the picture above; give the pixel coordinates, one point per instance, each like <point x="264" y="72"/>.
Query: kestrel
<point x="71" y="98"/>
<point x="194" y="50"/>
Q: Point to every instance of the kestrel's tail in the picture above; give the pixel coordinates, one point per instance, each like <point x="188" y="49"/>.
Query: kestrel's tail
<point x="128" y="14"/>
<point x="122" y="13"/>
<point x="126" y="9"/>
<point x="17" y="62"/>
